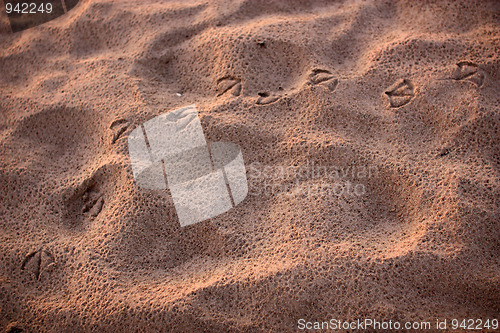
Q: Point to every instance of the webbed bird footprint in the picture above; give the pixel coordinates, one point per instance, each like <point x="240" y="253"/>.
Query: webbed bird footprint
<point x="38" y="261"/>
<point x="469" y="71"/>
<point x="93" y="202"/>
<point x="118" y="127"/>
<point x="266" y="98"/>
<point x="401" y="93"/>
<point x="228" y="84"/>
<point x="322" y="75"/>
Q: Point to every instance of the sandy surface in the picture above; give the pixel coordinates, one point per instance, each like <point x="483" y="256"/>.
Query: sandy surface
<point x="398" y="100"/>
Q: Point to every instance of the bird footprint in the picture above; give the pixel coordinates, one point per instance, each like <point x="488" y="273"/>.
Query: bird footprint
<point x="93" y="202"/>
<point x="38" y="261"/>
<point x="469" y="71"/>
<point x="266" y="98"/>
<point x="318" y="76"/>
<point x="401" y="93"/>
<point x="228" y="84"/>
<point x="118" y="127"/>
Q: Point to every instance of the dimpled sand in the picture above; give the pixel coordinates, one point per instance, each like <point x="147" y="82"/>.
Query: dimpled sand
<point x="370" y="135"/>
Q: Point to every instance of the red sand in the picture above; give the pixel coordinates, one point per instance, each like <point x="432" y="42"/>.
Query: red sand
<point x="404" y="89"/>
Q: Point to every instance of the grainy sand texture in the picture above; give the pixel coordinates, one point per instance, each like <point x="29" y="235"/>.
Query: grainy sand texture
<point x="370" y="136"/>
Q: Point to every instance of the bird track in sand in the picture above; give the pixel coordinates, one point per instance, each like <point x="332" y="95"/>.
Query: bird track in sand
<point x="316" y="77"/>
<point x="93" y="202"/>
<point x="37" y="262"/>
<point x="401" y="93"/>
<point x="118" y="127"/>
<point x="469" y="71"/>
<point x="226" y="84"/>
<point x="266" y="98"/>
<point x="319" y="75"/>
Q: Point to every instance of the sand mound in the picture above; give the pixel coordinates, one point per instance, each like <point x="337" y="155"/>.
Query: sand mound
<point x="370" y="134"/>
